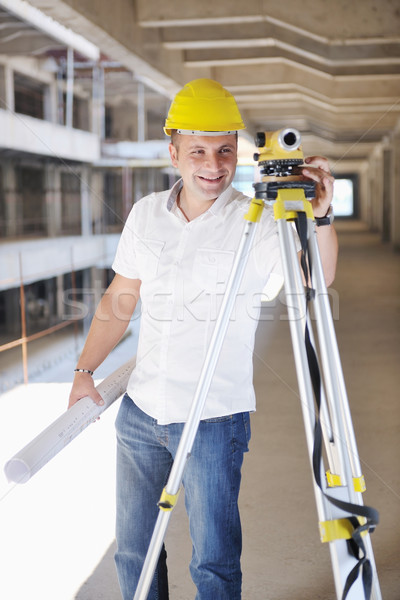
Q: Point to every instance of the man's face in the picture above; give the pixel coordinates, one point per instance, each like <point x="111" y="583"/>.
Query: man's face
<point x="207" y="164"/>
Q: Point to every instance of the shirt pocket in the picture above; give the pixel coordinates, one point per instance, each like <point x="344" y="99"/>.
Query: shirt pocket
<point x="148" y="254"/>
<point x="211" y="269"/>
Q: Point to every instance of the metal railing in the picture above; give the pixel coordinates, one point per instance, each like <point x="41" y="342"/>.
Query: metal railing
<point x="25" y="337"/>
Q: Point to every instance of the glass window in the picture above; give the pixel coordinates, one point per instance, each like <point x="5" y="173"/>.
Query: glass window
<point x="343" y="197"/>
<point x="244" y="178"/>
<point x="30" y="187"/>
<point x="29" y="96"/>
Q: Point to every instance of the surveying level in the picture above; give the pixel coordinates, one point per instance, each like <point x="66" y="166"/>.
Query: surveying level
<point x="280" y="152"/>
<point x="344" y="522"/>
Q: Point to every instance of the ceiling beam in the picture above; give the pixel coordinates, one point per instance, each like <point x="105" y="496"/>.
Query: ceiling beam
<point x="270" y="49"/>
<point x="361" y="19"/>
<point x="117" y="33"/>
<point x="43" y="23"/>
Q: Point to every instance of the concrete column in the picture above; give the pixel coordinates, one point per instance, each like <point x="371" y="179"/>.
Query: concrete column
<point x="48" y="112"/>
<point x="50" y="66"/>
<point x="9" y="88"/>
<point x="6" y="88"/>
<point x="53" y="200"/>
<point x="11" y="200"/>
<point x="60" y="119"/>
<point x="366" y="205"/>
<point x="141" y="113"/>
<point x="98" y="99"/>
<point x="2" y="87"/>
<point x="60" y="296"/>
<point x="395" y="210"/>
<point x="97" y="200"/>
<point x="363" y="191"/>
<point x="70" y="89"/>
<point x="52" y="103"/>
<point x="387" y="199"/>
<point x="126" y="192"/>
<point x="86" y="211"/>
<point x="88" y="297"/>
<point x="377" y="200"/>
<point x="373" y="207"/>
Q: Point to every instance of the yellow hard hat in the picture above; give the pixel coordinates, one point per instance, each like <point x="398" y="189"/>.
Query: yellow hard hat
<point x="204" y="107"/>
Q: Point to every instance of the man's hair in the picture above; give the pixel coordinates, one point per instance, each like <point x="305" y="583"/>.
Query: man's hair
<point x="175" y="138"/>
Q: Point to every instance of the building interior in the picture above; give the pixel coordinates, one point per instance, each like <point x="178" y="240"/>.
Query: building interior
<point x="84" y="90"/>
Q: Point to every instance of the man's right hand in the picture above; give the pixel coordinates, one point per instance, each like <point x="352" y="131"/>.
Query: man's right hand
<point x="83" y="386"/>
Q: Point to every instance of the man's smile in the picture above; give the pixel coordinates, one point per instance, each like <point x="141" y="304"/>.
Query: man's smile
<point x="212" y="179"/>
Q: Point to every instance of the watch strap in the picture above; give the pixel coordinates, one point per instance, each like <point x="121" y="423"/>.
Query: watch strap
<point x="327" y="219"/>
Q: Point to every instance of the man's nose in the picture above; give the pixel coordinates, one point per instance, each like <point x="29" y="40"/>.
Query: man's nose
<point x="213" y="160"/>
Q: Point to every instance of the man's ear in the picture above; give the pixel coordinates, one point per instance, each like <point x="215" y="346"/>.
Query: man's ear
<point x="173" y="154"/>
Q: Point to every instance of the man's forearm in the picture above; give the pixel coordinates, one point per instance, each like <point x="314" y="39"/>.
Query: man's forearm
<point x="108" y="326"/>
<point x="328" y="249"/>
<point x="104" y="334"/>
<point x="109" y="323"/>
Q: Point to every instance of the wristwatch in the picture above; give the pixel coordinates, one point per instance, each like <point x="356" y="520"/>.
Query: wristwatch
<point x="327" y="219"/>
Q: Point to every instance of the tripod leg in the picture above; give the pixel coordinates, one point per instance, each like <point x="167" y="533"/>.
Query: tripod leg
<point x="152" y="555"/>
<point x="335" y="505"/>
<point x="169" y="496"/>
<point x="344" y="438"/>
<point x="297" y="313"/>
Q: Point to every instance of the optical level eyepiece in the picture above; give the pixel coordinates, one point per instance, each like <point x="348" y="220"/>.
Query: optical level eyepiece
<point x="260" y="139"/>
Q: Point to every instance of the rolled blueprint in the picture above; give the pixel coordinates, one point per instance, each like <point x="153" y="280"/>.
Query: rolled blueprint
<point x="23" y="465"/>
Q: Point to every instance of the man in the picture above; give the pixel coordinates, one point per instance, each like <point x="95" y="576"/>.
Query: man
<point x="175" y="253"/>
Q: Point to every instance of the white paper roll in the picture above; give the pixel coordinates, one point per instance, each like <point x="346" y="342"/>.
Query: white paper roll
<point x="23" y="465"/>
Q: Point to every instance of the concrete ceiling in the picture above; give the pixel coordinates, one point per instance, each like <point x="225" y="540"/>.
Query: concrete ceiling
<point x="329" y="68"/>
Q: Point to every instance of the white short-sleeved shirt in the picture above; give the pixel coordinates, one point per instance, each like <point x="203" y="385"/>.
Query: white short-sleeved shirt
<point x="184" y="267"/>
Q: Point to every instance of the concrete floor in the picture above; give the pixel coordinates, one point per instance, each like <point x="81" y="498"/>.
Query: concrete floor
<point x="67" y="509"/>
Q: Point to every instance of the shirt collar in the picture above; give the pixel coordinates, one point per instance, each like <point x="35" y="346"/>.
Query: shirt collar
<point x="219" y="203"/>
<point x="176" y="188"/>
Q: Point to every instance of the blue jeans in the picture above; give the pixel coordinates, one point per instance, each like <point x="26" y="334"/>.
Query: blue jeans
<point x="145" y="452"/>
